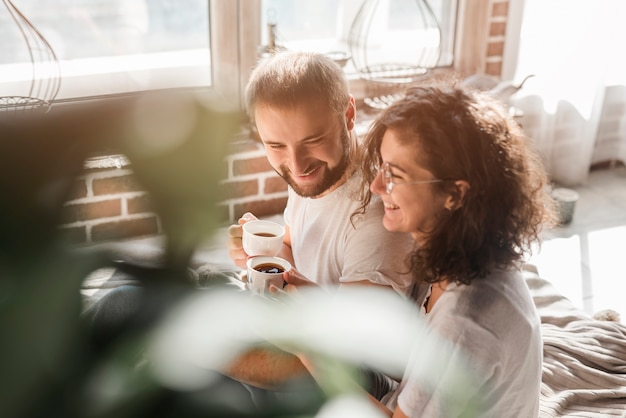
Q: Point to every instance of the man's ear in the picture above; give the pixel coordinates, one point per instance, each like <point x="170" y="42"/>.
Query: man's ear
<point x="351" y="114"/>
<point x="457" y="195"/>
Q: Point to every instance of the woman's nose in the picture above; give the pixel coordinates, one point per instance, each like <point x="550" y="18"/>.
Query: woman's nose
<point x="377" y="186"/>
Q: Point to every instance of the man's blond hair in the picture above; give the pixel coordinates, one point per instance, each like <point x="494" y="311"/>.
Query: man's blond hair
<point x="289" y="78"/>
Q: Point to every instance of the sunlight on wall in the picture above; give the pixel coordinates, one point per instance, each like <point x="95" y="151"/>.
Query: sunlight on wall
<point x="570" y="60"/>
<point x="588" y="268"/>
<point x="607" y="262"/>
<point x="560" y="263"/>
<point x="572" y="48"/>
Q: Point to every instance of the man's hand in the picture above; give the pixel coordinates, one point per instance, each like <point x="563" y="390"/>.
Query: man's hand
<point x="234" y="244"/>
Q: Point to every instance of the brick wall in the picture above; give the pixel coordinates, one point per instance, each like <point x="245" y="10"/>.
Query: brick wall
<point x="109" y="203"/>
<point x="496" y="37"/>
<point x="251" y="184"/>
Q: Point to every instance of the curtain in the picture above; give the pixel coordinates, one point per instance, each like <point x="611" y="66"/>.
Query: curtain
<point x="574" y="108"/>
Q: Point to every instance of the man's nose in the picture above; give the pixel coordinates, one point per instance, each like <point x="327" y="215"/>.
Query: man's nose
<point x="299" y="161"/>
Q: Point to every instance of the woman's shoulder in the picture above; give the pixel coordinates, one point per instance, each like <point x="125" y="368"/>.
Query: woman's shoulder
<point x="497" y="282"/>
<point x="498" y="302"/>
<point x="494" y="318"/>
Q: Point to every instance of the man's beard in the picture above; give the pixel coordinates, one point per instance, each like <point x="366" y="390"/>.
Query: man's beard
<point x="331" y="176"/>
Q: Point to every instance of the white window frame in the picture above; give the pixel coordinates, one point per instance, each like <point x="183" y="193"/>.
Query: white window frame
<point x="235" y="35"/>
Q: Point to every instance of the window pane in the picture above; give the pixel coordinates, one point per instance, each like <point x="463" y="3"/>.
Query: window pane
<point x="324" y="25"/>
<point x="110" y="46"/>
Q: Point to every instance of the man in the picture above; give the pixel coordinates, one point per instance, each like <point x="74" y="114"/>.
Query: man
<point x="305" y="115"/>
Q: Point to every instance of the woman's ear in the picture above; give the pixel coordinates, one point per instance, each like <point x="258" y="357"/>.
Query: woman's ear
<point x="457" y="195"/>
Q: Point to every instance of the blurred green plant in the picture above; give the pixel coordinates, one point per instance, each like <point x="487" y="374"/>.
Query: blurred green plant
<point x="176" y="143"/>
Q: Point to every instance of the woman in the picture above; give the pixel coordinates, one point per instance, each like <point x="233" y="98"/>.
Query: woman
<point x="455" y="171"/>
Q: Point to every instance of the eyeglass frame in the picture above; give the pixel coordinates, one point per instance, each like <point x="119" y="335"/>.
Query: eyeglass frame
<point x="389" y="184"/>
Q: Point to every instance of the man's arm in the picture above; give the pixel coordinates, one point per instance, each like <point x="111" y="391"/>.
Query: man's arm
<point x="285" y="252"/>
<point x="266" y="367"/>
<point x="376" y="255"/>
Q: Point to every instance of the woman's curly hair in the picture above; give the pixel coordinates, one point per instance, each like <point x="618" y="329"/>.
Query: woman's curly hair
<point x="468" y="135"/>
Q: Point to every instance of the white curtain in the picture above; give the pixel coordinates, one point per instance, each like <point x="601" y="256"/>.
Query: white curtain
<point x="575" y="106"/>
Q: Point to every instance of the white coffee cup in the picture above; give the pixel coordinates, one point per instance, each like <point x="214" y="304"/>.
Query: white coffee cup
<point x="262" y="237"/>
<point x="260" y="281"/>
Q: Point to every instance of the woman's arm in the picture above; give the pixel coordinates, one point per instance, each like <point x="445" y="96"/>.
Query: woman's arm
<point x="382" y="408"/>
<point x="379" y="405"/>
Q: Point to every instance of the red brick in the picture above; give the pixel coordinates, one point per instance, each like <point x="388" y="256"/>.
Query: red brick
<point x="93" y="210"/>
<point x="125" y="229"/>
<point x="500" y="8"/>
<point x="236" y="189"/>
<point x="494" y="68"/>
<point x="275" y="184"/>
<point x="251" y="166"/>
<point x="115" y="185"/>
<point x="139" y="204"/>
<point x="261" y="207"/>
<point x="497" y="29"/>
<point x="495" y="49"/>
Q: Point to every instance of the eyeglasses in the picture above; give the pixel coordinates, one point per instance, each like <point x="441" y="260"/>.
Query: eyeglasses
<point x="389" y="183"/>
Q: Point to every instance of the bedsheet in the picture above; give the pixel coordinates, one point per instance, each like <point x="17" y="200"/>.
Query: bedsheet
<point x="584" y="364"/>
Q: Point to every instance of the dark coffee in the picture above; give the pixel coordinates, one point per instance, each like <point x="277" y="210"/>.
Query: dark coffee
<point x="269" y="268"/>
<point x="264" y="234"/>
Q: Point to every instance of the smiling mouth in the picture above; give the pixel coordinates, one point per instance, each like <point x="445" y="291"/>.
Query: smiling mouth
<point x="307" y="174"/>
<point x="390" y="206"/>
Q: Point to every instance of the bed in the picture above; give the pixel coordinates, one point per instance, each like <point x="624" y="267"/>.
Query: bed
<point x="584" y="364"/>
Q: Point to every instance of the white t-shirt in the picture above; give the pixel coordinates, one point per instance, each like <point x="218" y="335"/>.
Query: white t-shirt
<point x="493" y="325"/>
<point x="328" y="249"/>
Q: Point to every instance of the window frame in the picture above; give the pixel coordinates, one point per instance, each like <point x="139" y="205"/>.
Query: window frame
<point x="237" y="44"/>
<point x="235" y="35"/>
<point x="235" y="27"/>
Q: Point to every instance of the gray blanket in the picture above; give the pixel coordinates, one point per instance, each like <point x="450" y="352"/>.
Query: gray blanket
<point x="584" y="364"/>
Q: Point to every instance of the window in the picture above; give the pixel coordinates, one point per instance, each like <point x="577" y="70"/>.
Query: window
<point x="115" y="46"/>
<point x="110" y="46"/>
<point x="324" y="25"/>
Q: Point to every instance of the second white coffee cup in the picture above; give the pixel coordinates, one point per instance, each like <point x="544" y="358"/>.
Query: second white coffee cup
<point x="265" y="271"/>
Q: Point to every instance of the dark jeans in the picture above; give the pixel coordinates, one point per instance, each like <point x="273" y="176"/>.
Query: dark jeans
<point x="128" y="310"/>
